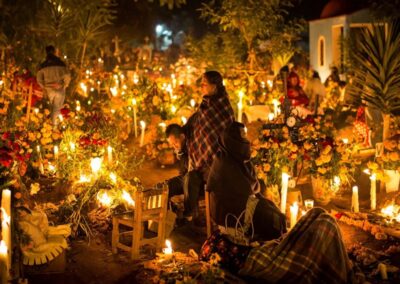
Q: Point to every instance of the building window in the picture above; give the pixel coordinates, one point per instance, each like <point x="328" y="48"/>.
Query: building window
<point x="321" y="51"/>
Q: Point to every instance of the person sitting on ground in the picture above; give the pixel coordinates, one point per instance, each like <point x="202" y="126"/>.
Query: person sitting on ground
<point x="187" y="183"/>
<point x="232" y="180"/>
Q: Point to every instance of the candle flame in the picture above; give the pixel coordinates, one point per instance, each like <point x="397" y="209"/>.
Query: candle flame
<point x="104" y="199"/>
<point x="127" y="197"/>
<point x="84" y="178"/>
<point x="142" y="124"/>
<point x="114" y="91"/>
<point x="113" y="177"/>
<point x="192" y="103"/>
<point x="3" y="248"/>
<point x="95" y="164"/>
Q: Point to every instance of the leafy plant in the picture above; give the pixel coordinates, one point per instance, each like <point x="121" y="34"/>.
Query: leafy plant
<point x="376" y="68"/>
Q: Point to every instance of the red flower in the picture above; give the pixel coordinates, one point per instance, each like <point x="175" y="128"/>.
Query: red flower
<point x="6" y="160"/>
<point x="6" y="136"/>
<point x="65" y="112"/>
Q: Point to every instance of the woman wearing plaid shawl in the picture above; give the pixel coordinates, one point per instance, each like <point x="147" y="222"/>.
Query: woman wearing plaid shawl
<point x="214" y="114"/>
<point x="209" y="122"/>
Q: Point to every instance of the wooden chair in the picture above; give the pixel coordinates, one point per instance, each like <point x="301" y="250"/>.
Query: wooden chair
<point x="150" y="205"/>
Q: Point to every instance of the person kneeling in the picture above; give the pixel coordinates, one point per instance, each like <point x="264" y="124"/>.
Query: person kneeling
<point x="188" y="183"/>
<point x="233" y="180"/>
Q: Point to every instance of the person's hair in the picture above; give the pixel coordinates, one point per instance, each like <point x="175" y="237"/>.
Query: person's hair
<point x="215" y="78"/>
<point x="174" y="129"/>
<point x="50" y="49"/>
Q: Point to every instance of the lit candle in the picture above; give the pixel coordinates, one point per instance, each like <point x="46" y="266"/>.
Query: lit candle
<point x="134" y="103"/>
<point x="56" y="152"/>
<point x="113" y="177"/>
<point x="114" y="91"/>
<point x="276" y="104"/>
<point x="163" y="126"/>
<point x="95" y="164"/>
<point x="309" y="204"/>
<point x="271" y="116"/>
<point x="294" y="210"/>
<point x="36" y="110"/>
<point x="373" y="191"/>
<point x="128" y="198"/>
<point x="5" y="224"/>
<point x="285" y="182"/>
<point x="173" y="80"/>
<point x="72" y="146"/>
<point x="41" y="168"/>
<point x="98" y="87"/>
<point x="143" y="126"/>
<point x="192" y="103"/>
<point x="135" y="79"/>
<point x="240" y="107"/>
<point x="270" y="83"/>
<point x="383" y="271"/>
<point x="109" y="154"/>
<point x="345" y="140"/>
<point x="168" y="249"/>
<point x="184" y="120"/>
<point x="84" y="89"/>
<point x="3" y="263"/>
<point x="354" y="200"/>
<point x="173" y="108"/>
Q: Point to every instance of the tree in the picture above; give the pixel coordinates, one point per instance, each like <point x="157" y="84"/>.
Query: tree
<point x="376" y="68"/>
<point x="254" y="20"/>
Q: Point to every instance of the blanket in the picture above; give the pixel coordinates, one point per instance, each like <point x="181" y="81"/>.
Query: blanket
<point x="312" y="252"/>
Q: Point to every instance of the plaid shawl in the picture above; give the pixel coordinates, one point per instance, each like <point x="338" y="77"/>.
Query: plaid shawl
<point x="209" y="122"/>
<point x="312" y="252"/>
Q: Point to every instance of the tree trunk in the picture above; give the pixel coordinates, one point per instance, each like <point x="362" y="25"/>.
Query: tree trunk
<point x="386" y="126"/>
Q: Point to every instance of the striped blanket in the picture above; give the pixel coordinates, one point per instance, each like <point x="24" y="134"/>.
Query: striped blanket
<point x="312" y="252"/>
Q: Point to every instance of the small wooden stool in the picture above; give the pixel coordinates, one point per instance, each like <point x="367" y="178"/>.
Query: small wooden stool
<point x="150" y="205"/>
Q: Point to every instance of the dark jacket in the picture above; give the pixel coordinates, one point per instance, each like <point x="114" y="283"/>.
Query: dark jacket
<point x="233" y="179"/>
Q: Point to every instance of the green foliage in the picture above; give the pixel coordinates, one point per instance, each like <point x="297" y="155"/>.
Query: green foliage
<point x="376" y="67"/>
<point x="256" y="20"/>
<point x="214" y="46"/>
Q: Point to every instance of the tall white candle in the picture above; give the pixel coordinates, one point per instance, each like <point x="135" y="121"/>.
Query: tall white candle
<point x="294" y="210"/>
<point x="134" y="103"/>
<point x="373" y="191"/>
<point x="275" y="103"/>
<point x="3" y="263"/>
<point x="240" y="106"/>
<point x="354" y="200"/>
<point x="5" y="223"/>
<point x="56" y="152"/>
<point x="143" y="126"/>
<point x="109" y="154"/>
<point x="285" y="182"/>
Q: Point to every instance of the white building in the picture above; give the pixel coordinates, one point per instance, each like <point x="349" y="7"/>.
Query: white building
<point x="338" y="20"/>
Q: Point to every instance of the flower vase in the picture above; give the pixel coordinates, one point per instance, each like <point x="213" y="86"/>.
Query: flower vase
<point x="321" y="190"/>
<point x="392" y="183"/>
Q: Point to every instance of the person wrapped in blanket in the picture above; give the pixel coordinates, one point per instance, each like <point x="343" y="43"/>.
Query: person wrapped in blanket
<point x="312" y="252"/>
<point x="233" y="179"/>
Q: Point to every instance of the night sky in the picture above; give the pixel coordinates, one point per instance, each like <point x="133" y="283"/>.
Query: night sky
<point x="138" y="19"/>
